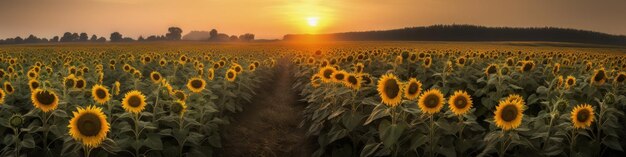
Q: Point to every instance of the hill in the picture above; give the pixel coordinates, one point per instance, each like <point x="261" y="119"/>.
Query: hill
<point x="470" y="33"/>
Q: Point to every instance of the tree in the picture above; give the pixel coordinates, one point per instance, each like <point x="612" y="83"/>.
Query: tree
<point x="213" y="34"/>
<point x="67" y="37"/>
<point x="55" y="39"/>
<point x="75" y="37"/>
<point x="94" y="38"/>
<point x="18" y="40"/>
<point x="116" y="37"/>
<point x="234" y="38"/>
<point x="246" y="37"/>
<point x="141" y="38"/>
<point x="102" y="39"/>
<point x="175" y="33"/>
<point x="31" y="39"/>
<point x="83" y="37"/>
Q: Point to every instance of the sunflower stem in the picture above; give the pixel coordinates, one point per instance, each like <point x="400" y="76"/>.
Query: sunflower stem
<point x="430" y="136"/>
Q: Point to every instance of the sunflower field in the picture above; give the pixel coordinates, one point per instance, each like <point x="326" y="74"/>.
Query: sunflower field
<point x="390" y="100"/>
<point x="123" y="100"/>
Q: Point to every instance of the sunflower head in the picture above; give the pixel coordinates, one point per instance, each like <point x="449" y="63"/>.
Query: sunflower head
<point x="8" y="87"/>
<point x="491" y="69"/>
<point x="326" y="73"/>
<point x="100" y="94"/>
<point x="620" y="78"/>
<point x="156" y="77"/>
<point x="116" y="88"/>
<point x="427" y="62"/>
<point x="210" y="73"/>
<point x="16" y="121"/>
<point x="45" y="100"/>
<point x="316" y="80"/>
<point x="412" y="89"/>
<point x="178" y="107"/>
<point x="556" y="69"/>
<point x="353" y="81"/>
<point x="527" y="66"/>
<point x="196" y="84"/>
<point x="460" y="103"/>
<point x="33" y="84"/>
<point x="231" y="75"/>
<point x="570" y="82"/>
<point x="134" y="102"/>
<point x="69" y="81"/>
<point x="509" y="114"/>
<point x="582" y="116"/>
<point x="180" y="95"/>
<point x="431" y="101"/>
<point x="89" y="126"/>
<point x="2" y="96"/>
<point x="80" y="83"/>
<point x="339" y="76"/>
<point x="599" y="77"/>
<point x="389" y="89"/>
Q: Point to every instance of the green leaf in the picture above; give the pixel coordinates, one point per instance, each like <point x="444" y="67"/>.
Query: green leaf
<point x="154" y="141"/>
<point x="612" y="143"/>
<point x="390" y="133"/>
<point x="378" y="112"/>
<point x="369" y="149"/>
<point x="28" y="141"/>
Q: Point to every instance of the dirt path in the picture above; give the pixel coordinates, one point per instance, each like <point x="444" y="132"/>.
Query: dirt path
<point x="269" y="125"/>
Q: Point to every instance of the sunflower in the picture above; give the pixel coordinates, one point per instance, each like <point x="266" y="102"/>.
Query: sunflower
<point x="412" y="89"/>
<point x="89" y="126"/>
<point x="156" y="77"/>
<point x="179" y="107"/>
<point x="427" y="62"/>
<point x="367" y="79"/>
<point x="559" y="81"/>
<point x="80" y="83"/>
<point x="69" y="81"/>
<point x="491" y="69"/>
<point x="389" y="89"/>
<point x="2" y="96"/>
<point x="8" y="87"/>
<point x="251" y="67"/>
<point x="327" y="72"/>
<point x="570" y="82"/>
<point x="33" y="84"/>
<point x="599" y="77"/>
<point x="210" y="73"/>
<point x="45" y="100"/>
<point x="509" y="114"/>
<point x="339" y="76"/>
<point x="431" y="101"/>
<point x="582" y="116"/>
<point x="358" y="67"/>
<point x="556" y="68"/>
<point x="231" y="75"/>
<point x="196" y="84"/>
<point x="237" y="68"/>
<point x="527" y="66"/>
<point x="353" y="81"/>
<point x="134" y="102"/>
<point x="460" y="103"/>
<point x="316" y="80"/>
<point x="100" y="94"/>
<point x="116" y="88"/>
<point x="180" y="95"/>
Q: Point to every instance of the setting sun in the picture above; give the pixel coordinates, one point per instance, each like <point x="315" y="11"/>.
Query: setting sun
<point x="312" y="21"/>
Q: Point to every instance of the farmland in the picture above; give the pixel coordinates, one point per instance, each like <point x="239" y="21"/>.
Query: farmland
<point x="313" y="99"/>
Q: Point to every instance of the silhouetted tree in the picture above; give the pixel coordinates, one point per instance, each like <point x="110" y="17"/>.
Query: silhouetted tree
<point x="116" y="37"/>
<point x="234" y="38"/>
<point x="93" y="38"/>
<point x="246" y="37"/>
<point x="18" y="40"/>
<point x="102" y="39"/>
<point x="175" y="33"/>
<point x="67" y="37"/>
<point x="141" y="38"/>
<point x="75" y="36"/>
<point x="55" y="39"/>
<point x="83" y="37"/>
<point x="222" y="37"/>
<point x="213" y="35"/>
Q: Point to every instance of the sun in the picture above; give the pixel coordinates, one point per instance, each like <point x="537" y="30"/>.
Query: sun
<point x="312" y="21"/>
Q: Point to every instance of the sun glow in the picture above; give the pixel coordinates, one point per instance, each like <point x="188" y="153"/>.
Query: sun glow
<point x="312" y="21"/>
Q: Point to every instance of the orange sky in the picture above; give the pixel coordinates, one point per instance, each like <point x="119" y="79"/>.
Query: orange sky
<point x="275" y="18"/>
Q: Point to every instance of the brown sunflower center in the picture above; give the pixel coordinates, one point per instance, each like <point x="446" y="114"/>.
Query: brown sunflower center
<point x="231" y="75"/>
<point x="196" y="84"/>
<point x="583" y="115"/>
<point x="80" y="83"/>
<point x="328" y="73"/>
<point x="392" y="88"/>
<point x="491" y="70"/>
<point x="180" y="95"/>
<point x="509" y="113"/>
<point x="431" y="101"/>
<point x="177" y="107"/>
<point x="527" y="67"/>
<point x="100" y="93"/>
<point x="9" y="88"/>
<point x="134" y="101"/>
<point x="460" y="102"/>
<point x="352" y="80"/>
<point x="413" y="88"/>
<point x="621" y="78"/>
<point x="238" y="69"/>
<point x="45" y="97"/>
<point x="339" y="76"/>
<point x="570" y="82"/>
<point x="34" y="85"/>
<point x="89" y="124"/>
<point x="156" y="77"/>
<point x="599" y="76"/>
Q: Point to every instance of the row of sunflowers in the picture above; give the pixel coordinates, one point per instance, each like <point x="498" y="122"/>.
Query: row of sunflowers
<point x="403" y="101"/>
<point x="123" y="100"/>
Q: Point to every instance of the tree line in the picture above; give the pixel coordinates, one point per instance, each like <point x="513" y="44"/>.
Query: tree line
<point x="173" y="34"/>
<point x="471" y="33"/>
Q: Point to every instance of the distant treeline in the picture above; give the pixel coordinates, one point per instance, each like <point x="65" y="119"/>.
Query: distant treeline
<point x="174" y="33"/>
<point x="470" y="33"/>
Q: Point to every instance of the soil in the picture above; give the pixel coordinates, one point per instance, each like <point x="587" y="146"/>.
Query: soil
<point x="269" y="125"/>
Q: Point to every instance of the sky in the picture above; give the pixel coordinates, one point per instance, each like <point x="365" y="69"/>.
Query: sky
<point x="271" y="19"/>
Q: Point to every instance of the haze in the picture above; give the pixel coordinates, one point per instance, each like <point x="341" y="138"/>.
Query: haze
<point x="271" y="19"/>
